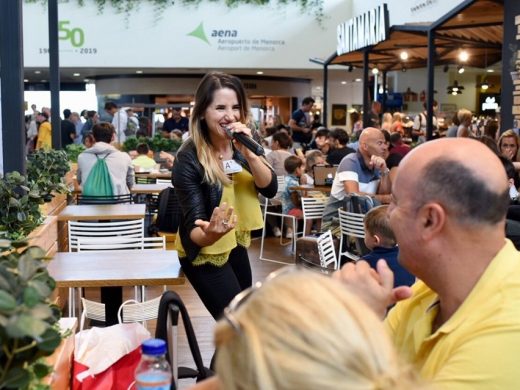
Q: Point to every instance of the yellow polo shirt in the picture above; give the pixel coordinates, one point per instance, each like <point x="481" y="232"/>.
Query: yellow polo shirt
<point x="479" y="346"/>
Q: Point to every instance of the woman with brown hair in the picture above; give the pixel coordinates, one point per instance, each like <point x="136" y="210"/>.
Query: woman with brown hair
<point x="216" y="179"/>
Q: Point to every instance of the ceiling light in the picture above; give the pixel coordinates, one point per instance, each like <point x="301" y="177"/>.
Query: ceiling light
<point x="86" y="80"/>
<point x="358" y="80"/>
<point x="44" y="81"/>
<point x="139" y="71"/>
<point x="259" y="72"/>
<point x="343" y="82"/>
<point x="318" y="87"/>
<point x="490" y="70"/>
<point x="25" y="80"/>
<point x="375" y="71"/>
<point x="404" y="55"/>
<point x="37" y="72"/>
<point x="455" y="89"/>
<point x="484" y="86"/>
<point x="463" y="56"/>
<point x="380" y="90"/>
<point x="76" y="74"/>
<point x="460" y="69"/>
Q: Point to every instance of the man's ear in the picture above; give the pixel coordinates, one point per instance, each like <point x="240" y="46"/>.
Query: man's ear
<point x="432" y="218"/>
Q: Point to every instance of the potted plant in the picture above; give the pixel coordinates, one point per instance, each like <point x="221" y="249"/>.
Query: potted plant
<point x="132" y="142"/>
<point x="21" y="202"/>
<point x="47" y="168"/>
<point x="28" y="320"/>
<point x="73" y="151"/>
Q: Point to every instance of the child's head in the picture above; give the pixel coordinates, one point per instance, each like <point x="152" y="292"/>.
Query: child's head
<point x="377" y="228"/>
<point x="142" y="149"/>
<point x="293" y="165"/>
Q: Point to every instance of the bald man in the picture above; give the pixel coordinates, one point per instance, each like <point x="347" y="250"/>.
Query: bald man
<point x="460" y="326"/>
<point x="364" y="172"/>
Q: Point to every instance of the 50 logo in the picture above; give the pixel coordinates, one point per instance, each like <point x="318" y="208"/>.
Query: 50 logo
<point x="75" y="35"/>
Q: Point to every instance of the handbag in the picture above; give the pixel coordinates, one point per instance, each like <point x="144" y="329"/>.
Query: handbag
<point x="106" y="358"/>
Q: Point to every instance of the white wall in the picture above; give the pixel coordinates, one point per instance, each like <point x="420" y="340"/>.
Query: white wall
<point x="269" y="36"/>
<point x="408" y="11"/>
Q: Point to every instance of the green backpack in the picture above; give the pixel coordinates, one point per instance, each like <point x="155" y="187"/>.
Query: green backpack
<point x="98" y="182"/>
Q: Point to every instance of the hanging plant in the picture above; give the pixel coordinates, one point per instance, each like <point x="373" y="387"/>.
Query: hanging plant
<point x="127" y="7"/>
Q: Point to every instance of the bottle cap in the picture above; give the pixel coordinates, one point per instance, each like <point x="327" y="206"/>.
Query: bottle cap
<point x="154" y="347"/>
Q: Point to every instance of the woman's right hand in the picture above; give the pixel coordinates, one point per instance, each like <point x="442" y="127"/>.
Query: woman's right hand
<point x="223" y="219"/>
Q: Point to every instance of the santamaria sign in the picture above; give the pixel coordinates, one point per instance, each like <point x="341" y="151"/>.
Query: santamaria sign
<point x="363" y="30"/>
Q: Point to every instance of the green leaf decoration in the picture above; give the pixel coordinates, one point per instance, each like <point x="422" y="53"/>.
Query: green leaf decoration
<point x="16" y="378"/>
<point x="7" y="302"/>
<point x="31" y="297"/>
<point x="41" y="312"/>
<point x="24" y="325"/>
<point x="50" y="340"/>
<point x="41" y="370"/>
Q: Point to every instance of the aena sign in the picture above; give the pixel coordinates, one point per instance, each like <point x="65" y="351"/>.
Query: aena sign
<point x="363" y="30"/>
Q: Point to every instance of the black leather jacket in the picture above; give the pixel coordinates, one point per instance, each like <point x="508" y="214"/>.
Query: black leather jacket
<point x="197" y="199"/>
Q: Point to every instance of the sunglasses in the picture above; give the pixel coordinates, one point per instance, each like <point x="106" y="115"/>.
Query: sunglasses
<point x="242" y="297"/>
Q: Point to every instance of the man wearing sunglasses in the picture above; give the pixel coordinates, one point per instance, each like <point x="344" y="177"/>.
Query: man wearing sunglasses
<point x="459" y="325"/>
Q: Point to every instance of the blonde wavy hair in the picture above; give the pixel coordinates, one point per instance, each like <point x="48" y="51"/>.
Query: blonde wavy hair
<point x="306" y="331"/>
<point x="199" y="132"/>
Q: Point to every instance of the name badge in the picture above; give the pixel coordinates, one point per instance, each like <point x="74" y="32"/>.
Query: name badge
<point x="231" y="166"/>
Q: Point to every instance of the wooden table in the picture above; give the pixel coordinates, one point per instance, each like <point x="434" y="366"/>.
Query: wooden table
<point x="102" y="211"/>
<point x="149" y="188"/>
<point x="155" y="174"/>
<point x="305" y="189"/>
<point x="114" y="269"/>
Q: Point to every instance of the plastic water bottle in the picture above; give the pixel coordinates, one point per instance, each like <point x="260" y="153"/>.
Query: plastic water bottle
<point x="153" y="371"/>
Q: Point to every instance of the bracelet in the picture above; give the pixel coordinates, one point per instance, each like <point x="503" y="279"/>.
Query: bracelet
<point x="385" y="172"/>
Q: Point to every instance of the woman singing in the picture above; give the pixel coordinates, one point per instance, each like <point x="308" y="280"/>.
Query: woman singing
<point x="216" y="180"/>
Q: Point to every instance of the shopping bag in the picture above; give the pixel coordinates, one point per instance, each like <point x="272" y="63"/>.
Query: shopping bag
<point x="106" y="358"/>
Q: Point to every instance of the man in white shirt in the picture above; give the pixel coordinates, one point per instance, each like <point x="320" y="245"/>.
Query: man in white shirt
<point x="119" y="120"/>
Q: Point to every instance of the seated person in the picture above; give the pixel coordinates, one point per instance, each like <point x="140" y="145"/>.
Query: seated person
<point x="380" y="239"/>
<point x="338" y="140"/>
<point x="291" y="200"/>
<point x="321" y="141"/>
<point x="280" y="145"/>
<point x="142" y="160"/>
<point x="364" y="172"/>
<point x="334" y="342"/>
<point x="312" y="158"/>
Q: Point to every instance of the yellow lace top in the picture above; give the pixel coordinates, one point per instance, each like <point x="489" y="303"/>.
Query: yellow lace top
<point x="241" y="194"/>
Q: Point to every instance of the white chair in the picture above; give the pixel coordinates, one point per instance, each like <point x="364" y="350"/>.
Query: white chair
<point x="312" y="210"/>
<point x="129" y="311"/>
<point x="115" y="243"/>
<point x="132" y="228"/>
<point x="120" y="243"/>
<point x="351" y="225"/>
<point x="268" y="210"/>
<point x="326" y="251"/>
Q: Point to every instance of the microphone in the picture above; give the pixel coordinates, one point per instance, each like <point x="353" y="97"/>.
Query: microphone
<point x="247" y="141"/>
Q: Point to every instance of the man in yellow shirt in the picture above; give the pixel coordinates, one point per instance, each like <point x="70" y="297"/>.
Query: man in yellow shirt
<point x="44" y="140"/>
<point x="460" y="326"/>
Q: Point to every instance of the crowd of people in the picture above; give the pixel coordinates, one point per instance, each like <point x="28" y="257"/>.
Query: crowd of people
<point x="441" y="312"/>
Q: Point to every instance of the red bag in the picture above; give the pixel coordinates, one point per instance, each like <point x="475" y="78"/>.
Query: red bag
<point x="106" y="358"/>
<point x="119" y="376"/>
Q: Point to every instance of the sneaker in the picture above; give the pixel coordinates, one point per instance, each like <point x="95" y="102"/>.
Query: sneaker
<point x="289" y="233"/>
<point x="277" y="232"/>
